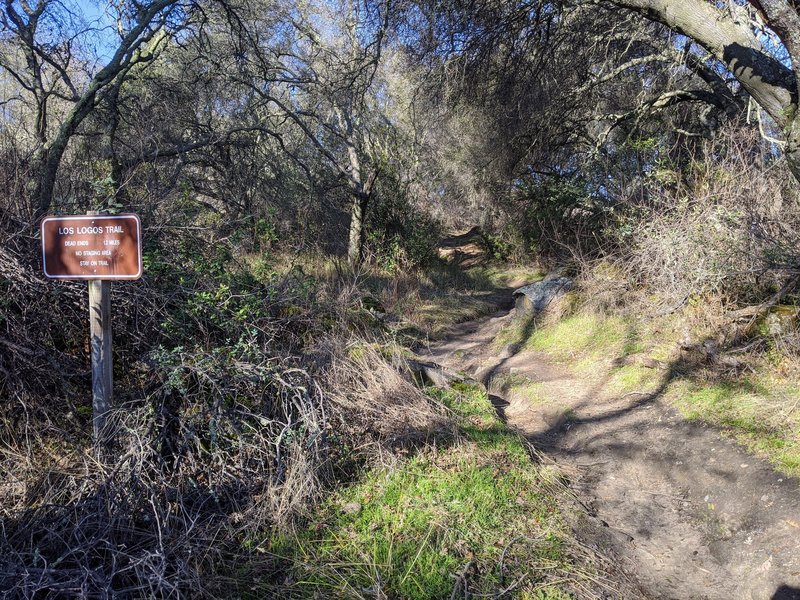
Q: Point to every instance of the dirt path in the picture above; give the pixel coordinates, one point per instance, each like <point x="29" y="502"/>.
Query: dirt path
<point x="684" y="510"/>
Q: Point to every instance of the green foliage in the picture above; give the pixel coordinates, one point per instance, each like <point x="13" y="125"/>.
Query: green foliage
<point x="466" y="400"/>
<point x="398" y="235"/>
<point x="217" y="296"/>
<point x="498" y="246"/>
<point x="553" y="212"/>
<point x="463" y="511"/>
<point x="265" y="229"/>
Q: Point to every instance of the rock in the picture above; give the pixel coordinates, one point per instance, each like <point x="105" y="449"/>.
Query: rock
<point x="351" y="508"/>
<point x="535" y="298"/>
<point x="508" y="351"/>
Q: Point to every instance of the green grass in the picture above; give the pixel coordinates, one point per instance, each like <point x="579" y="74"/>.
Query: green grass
<point x="753" y="414"/>
<point x="518" y="386"/>
<point x="445" y="294"/>
<point x="467" y="401"/>
<point x="584" y="335"/>
<point x="409" y="530"/>
<point x="422" y="522"/>
<point x="630" y="378"/>
<point x="760" y="410"/>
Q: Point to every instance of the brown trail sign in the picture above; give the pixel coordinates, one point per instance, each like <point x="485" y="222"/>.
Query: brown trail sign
<point x="92" y="247"/>
<point x="100" y="248"/>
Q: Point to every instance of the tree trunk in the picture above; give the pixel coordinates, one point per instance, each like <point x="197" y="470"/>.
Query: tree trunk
<point x="130" y="52"/>
<point x="47" y="182"/>
<point x="792" y="150"/>
<point x="728" y="36"/>
<point x="355" y="246"/>
<point x="54" y="152"/>
<point x="362" y="192"/>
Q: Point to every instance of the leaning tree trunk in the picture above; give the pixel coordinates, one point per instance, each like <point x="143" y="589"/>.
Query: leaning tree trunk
<point x="727" y="34"/>
<point x="50" y="158"/>
<point x="46" y="182"/>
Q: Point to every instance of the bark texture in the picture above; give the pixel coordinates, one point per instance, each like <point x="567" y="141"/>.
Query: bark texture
<point x="728" y="34"/>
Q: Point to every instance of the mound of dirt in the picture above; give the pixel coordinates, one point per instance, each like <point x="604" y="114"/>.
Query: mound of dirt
<point x="466" y="249"/>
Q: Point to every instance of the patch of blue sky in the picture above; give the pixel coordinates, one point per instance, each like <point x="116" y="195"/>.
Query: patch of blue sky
<point x="98" y="23"/>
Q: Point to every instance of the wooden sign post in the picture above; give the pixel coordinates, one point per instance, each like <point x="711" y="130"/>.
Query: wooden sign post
<point x="100" y="249"/>
<point x="102" y="363"/>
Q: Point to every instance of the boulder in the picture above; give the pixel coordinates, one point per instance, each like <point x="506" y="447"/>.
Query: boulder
<point x="535" y="298"/>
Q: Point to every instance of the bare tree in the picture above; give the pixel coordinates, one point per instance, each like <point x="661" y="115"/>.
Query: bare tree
<point x="324" y="83"/>
<point x="43" y="53"/>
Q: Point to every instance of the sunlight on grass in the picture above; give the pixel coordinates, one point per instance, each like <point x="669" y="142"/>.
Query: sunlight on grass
<point x="755" y="416"/>
<point x="761" y="410"/>
<point x="468" y="401"/>
<point x="445" y="294"/>
<point x="584" y="334"/>
<point x="469" y="510"/>
<point x="632" y="378"/>
<point x="510" y="385"/>
<point x="423" y="522"/>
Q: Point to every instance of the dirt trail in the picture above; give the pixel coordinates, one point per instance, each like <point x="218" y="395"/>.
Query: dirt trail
<point x="684" y="510"/>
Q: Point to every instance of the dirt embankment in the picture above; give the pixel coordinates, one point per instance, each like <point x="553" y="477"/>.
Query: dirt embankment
<point x="687" y="512"/>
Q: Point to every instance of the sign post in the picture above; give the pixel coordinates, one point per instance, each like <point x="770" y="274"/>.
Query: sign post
<point x="100" y="249"/>
<point x="102" y="364"/>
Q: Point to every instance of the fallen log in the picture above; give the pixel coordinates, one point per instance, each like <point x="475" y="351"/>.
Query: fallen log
<point x="431" y="373"/>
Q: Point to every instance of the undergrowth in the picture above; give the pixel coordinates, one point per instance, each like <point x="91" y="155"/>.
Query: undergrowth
<point x="466" y="516"/>
<point x="256" y="393"/>
<point x="423" y="304"/>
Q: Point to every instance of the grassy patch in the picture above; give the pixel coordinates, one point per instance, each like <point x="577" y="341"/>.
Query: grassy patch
<point x="511" y="384"/>
<point x="422" y="304"/>
<point x="477" y="513"/>
<point x="445" y="294"/>
<point x="582" y="335"/>
<point x="761" y="410"/>
<point x="508" y="276"/>
<point x="422" y="523"/>
<point x="467" y="401"/>
<point x="630" y="378"/>
<point x="756" y="416"/>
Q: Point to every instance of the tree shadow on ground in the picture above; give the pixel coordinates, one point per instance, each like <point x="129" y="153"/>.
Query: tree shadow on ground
<point x="786" y="593"/>
<point x="605" y="432"/>
<point x="423" y="307"/>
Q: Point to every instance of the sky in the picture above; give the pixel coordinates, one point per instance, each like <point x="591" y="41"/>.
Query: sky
<point x="95" y="14"/>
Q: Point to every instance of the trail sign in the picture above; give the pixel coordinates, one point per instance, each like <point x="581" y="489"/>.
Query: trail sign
<point x="105" y="247"/>
<point x="100" y="248"/>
